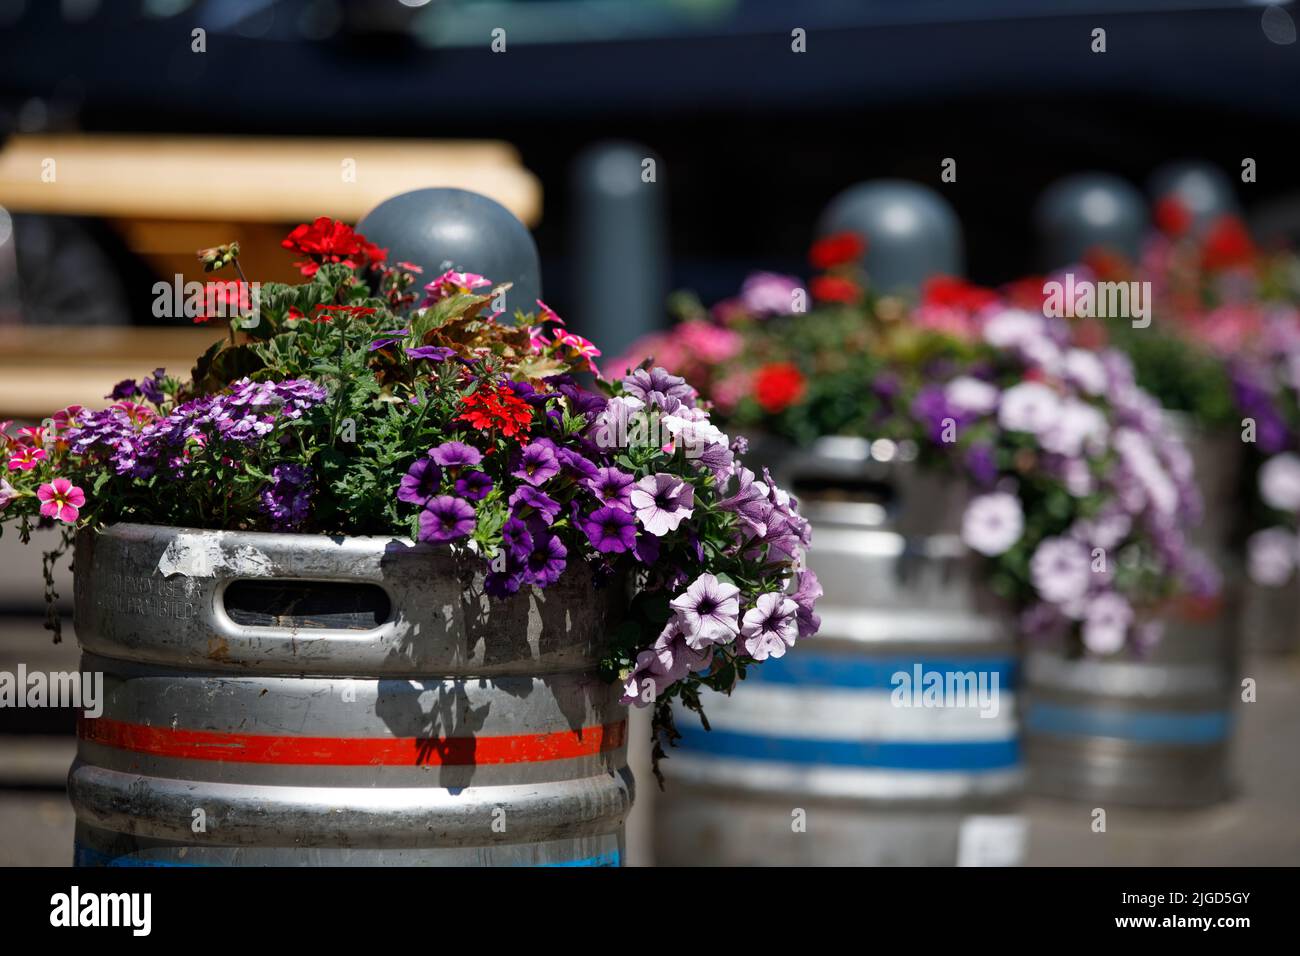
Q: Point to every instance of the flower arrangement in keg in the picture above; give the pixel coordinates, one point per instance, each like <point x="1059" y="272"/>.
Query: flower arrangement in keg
<point x="1079" y="498"/>
<point x="1224" y="348"/>
<point x="353" y="404"/>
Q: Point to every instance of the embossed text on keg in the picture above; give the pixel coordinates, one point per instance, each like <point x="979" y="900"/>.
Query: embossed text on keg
<point x="145" y="596"/>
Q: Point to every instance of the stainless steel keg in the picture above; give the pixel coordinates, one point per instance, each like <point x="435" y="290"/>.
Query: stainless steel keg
<point x="1151" y="730"/>
<point x="280" y="699"/>
<point x="836" y="754"/>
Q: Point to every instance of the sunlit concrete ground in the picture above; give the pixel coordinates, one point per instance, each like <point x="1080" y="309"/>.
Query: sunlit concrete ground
<point x="1260" y="826"/>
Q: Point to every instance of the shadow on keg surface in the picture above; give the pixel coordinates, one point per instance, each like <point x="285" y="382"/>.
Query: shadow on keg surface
<point x="270" y="722"/>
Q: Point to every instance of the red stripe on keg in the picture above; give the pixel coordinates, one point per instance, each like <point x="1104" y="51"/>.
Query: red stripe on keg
<point x="352" y="751"/>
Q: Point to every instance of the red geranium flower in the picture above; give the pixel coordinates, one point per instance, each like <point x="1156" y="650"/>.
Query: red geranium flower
<point x="954" y="293"/>
<point x="777" y="386"/>
<point x="497" y="409"/>
<point x="1227" y="244"/>
<point x="328" y="240"/>
<point x="224" y="299"/>
<point x="1172" y="217"/>
<point x="834" y="289"/>
<point x="836" y="250"/>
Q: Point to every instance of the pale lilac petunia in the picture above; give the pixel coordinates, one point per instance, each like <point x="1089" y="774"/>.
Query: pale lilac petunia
<point x="708" y="612"/>
<point x="1271" y="556"/>
<point x="1279" y="482"/>
<point x="1106" y="623"/>
<point x="993" y="523"/>
<point x="770" y="627"/>
<point x="1028" y="407"/>
<point x="1061" y="570"/>
<point x="662" y="502"/>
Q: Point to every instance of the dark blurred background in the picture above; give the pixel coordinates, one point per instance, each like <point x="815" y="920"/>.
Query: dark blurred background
<point x="754" y="140"/>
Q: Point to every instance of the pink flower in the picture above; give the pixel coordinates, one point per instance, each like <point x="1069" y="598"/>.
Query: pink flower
<point x="452" y="283"/>
<point x="25" y="458"/>
<point x="7" y="494"/>
<point x="583" y="347"/>
<point x="61" y="499"/>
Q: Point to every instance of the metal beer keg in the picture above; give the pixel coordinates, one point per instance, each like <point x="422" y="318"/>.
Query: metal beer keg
<point x="285" y="699"/>
<point x="1152" y="730"/>
<point x="833" y="755"/>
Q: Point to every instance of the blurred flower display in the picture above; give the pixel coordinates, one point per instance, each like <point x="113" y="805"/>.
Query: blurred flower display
<point x="1080" y="499"/>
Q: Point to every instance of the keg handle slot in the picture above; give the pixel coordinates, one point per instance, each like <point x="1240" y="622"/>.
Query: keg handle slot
<point x="305" y="603"/>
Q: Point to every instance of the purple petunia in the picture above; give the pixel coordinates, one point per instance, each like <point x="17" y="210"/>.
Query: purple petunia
<point x="610" y="530"/>
<point x="546" y="561"/>
<point x="420" y="483"/>
<point x="446" y="518"/>
<point x="431" y="353"/>
<point x="527" y="500"/>
<point x="612" y="487"/>
<point x="473" y="485"/>
<point x="501" y="584"/>
<point x="455" y="454"/>
<point x="517" y="538"/>
<point x="536" y="463"/>
<point x="658" y="387"/>
<point x="388" y="338"/>
<point x="575" y="464"/>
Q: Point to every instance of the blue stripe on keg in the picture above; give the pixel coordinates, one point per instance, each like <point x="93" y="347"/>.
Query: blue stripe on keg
<point x="610" y="858"/>
<point x="1151" y="727"/>
<point x="870" y="673"/>
<point x="87" y="856"/>
<point x="881" y="754"/>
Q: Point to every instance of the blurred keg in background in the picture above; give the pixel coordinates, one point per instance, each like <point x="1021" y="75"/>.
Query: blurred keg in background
<point x="821" y="757"/>
<point x="1150" y="730"/>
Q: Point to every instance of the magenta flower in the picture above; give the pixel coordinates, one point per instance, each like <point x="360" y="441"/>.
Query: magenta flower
<point x="25" y="458"/>
<point x="61" y="499"/>
<point x="455" y="454"/>
<point x="537" y="463"/>
<point x="420" y="483"/>
<point x="708" y="612"/>
<point x="452" y="283"/>
<point x="610" y="530"/>
<point x="446" y="518"/>
<point x="662" y="501"/>
<point x="770" y="627"/>
<point x="612" y="487"/>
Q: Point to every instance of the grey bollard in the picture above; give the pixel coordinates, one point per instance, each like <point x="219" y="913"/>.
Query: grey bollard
<point x="1087" y="211"/>
<point x="441" y="229"/>
<point x="620" y="245"/>
<point x="911" y="232"/>
<point x="1202" y="189"/>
